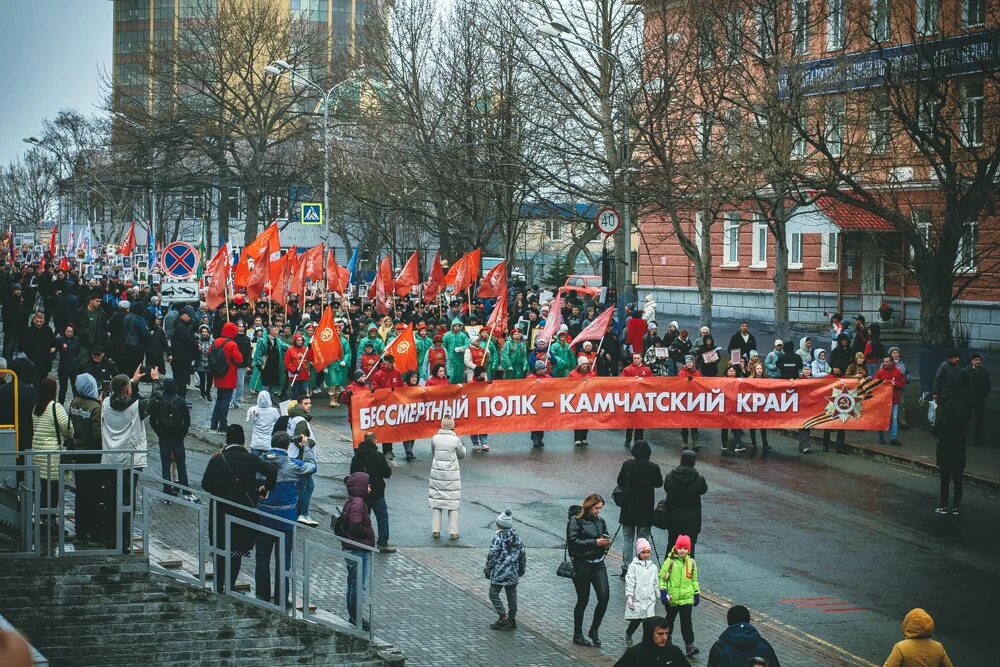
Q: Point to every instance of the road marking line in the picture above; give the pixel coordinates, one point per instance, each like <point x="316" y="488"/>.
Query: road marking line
<point x="795" y="600"/>
<point x="840" y="611"/>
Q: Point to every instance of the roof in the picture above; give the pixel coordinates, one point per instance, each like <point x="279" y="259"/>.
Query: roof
<point x="566" y="210"/>
<point x="851" y="218"/>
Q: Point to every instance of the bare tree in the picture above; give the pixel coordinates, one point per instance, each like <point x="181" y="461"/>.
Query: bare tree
<point x="28" y="189"/>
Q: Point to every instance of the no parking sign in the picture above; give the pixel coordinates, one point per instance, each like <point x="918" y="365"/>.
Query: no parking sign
<point x="179" y="260"/>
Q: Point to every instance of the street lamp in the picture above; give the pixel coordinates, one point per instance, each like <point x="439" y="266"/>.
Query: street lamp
<point x="283" y="68"/>
<point x="563" y="32"/>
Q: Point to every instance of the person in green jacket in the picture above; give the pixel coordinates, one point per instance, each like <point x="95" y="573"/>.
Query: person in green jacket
<point x="679" y="591"/>
<point x="336" y="373"/>
<point x="424" y="343"/>
<point x="563" y="359"/>
<point x="268" y="363"/>
<point x="514" y="357"/>
<point x="372" y="337"/>
<point x="455" y="342"/>
<point x="492" y="357"/>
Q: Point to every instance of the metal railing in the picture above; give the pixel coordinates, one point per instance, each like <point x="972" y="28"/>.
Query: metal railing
<point x="182" y="538"/>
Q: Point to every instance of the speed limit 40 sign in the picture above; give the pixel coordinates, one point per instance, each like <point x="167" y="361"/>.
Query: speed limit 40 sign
<point x="608" y="221"/>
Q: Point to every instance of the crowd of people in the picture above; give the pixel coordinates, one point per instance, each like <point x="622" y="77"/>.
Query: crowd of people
<point x="106" y="340"/>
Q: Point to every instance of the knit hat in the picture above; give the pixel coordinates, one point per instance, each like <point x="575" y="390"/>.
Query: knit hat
<point x="688" y="358"/>
<point x="641" y="545"/>
<point x="448" y="424"/>
<point x="688" y="457"/>
<point x="539" y="365"/>
<point x="674" y="324"/>
<point x="235" y="435"/>
<point x="563" y="329"/>
<point x="737" y="614"/>
<point x="582" y="359"/>
<point x="683" y="542"/>
<point x="505" y="519"/>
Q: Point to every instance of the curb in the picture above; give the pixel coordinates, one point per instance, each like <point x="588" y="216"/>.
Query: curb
<point x="894" y="456"/>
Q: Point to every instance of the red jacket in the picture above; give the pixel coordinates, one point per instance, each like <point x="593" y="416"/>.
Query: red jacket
<point x="297" y="367"/>
<point x="436" y="382"/>
<point x="233" y="356"/>
<point x="633" y="371"/>
<point x="895" y="377"/>
<point x="634" y="332"/>
<point x="575" y="373"/>
<point x="385" y="378"/>
<point x="685" y="373"/>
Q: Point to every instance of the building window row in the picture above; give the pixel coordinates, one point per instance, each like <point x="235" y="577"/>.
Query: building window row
<point x="131" y="41"/>
<point x="131" y="10"/>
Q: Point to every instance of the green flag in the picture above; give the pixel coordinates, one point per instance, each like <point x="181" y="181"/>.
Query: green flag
<point x="201" y="253"/>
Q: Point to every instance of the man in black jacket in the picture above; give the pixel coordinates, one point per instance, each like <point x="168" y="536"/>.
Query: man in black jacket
<point x="232" y="475"/>
<point x="639" y="478"/>
<point x="368" y="459"/>
<point x="98" y="365"/>
<point x="742" y="340"/>
<point x="684" y="486"/>
<point x="184" y="351"/>
<point x="655" y="648"/>
<point x="979" y="387"/>
<point x="740" y="642"/>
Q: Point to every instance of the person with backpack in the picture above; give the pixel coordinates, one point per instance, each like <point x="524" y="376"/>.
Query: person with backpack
<point x="684" y="486"/>
<point x="505" y="565"/>
<point x="639" y="478"/>
<point x="232" y="475"/>
<point x="355" y="524"/>
<point x="679" y="590"/>
<point x="223" y="359"/>
<point x="171" y="421"/>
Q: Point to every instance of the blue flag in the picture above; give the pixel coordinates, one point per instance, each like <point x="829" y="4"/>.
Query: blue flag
<point x="352" y="266"/>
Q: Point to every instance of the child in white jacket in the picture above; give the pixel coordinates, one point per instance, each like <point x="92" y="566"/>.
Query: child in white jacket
<point x="641" y="588"/>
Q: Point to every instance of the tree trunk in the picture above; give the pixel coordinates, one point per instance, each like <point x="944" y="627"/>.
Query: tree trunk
<point x="935" y="310"/>
<point x="703" y="270"/>
<point x="224" y="215"/>
<point x="782" y="327"/>
<point x="252" y="217"/>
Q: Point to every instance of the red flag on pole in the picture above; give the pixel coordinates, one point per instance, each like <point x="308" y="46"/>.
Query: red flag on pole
<point x="52" y="241"/>
<point x="64" y="264"/>
<point x="596" y="329"/>
<point x="266" y="239"/>
<point x="325" y="345"/>
<point x="409" y="277"/>
<point x="218" y="271"/>
<point x="259" y="276"/>
<point x="383" y="289"/>
<point x="128" y="243"/>
<point x="494" y="282"/>
<point x="403" y="349"/>
<point x="310" y="266"/>
<point x="449" y="278"/>
<point x="463" y="275"/>
<point x="553" y="321"/>
<point x="472" y="264"/>
<point x="435" y="282"/>
<point x="279" y="287"/>
<point x="497" y="323"/>
<point x="337" y="277"/>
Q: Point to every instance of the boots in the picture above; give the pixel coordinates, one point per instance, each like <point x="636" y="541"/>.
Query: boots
<point x="694" y="441"/>
<point x="500" y="624"/>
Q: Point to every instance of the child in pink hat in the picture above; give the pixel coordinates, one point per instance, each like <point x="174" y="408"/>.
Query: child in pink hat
<point x="640" y="588"/>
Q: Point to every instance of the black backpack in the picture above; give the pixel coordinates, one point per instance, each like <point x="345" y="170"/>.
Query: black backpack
<point x="172" y="418"/>
<point x="339" y="524"/>
<point x="217" y="364"/>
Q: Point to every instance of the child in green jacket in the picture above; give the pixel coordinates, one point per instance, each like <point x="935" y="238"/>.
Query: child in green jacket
<point x="679" y="591"/>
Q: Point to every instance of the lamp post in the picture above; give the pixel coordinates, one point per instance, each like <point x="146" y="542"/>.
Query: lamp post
<point x="563" y="32"/>
<point x="283" y="68"/>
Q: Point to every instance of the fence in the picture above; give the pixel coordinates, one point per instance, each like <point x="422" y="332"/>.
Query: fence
<point x="70" y="504"/>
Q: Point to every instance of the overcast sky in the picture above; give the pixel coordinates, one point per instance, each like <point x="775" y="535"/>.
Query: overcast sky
<point x="53" y="54"/>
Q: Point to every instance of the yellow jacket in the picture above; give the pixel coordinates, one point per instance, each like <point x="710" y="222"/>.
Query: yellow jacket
<point x="918" y="649"/>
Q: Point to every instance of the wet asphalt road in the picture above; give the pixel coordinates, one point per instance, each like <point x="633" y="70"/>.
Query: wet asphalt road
<point x="838" y="547"/>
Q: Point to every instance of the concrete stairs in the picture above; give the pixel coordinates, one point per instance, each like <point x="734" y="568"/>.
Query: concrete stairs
<point x="98" y="611"/>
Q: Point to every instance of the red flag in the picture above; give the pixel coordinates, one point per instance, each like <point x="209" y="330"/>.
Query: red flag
<point x="128" y="243"/>
<point x="472" y="264"/>
<point x="449" y="278"/>
<point x="218" y="270"/>
<point x="463" y="274"/>
<point x="498" y="318"/>
<point x="279" y="287"/>
<point x="52" y="241"/>
<point x="435" y="282"/>
<point x="409" y="277"/>
<point x="310" y="266"/>
<point x="553" y="321"/>
<point x="64" y="264"/>
<point x="266" y="239"/>
<point x="325" y="345"/>
<point x="260" y="276"/>
<point x="595" y="329"/>
<point x="403" y="349"/>
<point x="494" y="282"/>
<point x="383" y="289"/>
<point x="337" y="277"/>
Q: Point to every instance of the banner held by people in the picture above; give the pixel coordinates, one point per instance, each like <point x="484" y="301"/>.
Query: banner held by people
<point x="505" y="406"/>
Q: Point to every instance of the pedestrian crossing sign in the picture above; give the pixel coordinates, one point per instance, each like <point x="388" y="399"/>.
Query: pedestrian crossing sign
<point x="312" y="214"/>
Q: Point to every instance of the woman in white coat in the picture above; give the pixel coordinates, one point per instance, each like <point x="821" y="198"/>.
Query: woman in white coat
<point x="445" y="490"/>
<point x="641" y="588"/>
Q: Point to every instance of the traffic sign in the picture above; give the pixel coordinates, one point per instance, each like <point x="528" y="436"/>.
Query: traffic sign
<point x="174" y="292"/>
<point x="312" y="214"/>
<point x="179" y="260"/>
<point x="608" y="221"/>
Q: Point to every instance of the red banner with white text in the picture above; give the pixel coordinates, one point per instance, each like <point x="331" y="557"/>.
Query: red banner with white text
<point x="409" y="413"/>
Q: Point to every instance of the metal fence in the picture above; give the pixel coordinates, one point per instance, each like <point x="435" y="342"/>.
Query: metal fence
<point x="65" y="508"/>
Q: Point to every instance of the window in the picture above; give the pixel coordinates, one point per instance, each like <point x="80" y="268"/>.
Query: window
<point x="553" y="230"/>
<point x="800" y="27"/>
<point x="835" y="126"/>
<point x="828" y="250"/>
<point x="732" y="128"/>
<point x="699" y="229"/>
<point x="277" y="207"/>
<point x="731" y="239"/>
<point x="759" y="242"/>
<point x="879" y="126"/>
<point x="965" y="259"/>
<point x="972" y="113"/>
<point x="926" y="111"/>
<point x="132" y="10"/>
<point x="236" y="203"/>
<point x="706" y="42"/>
<point x="835" y="20"/>
<point x="703" y="133"/>
<point x="801" y="145"/>
<point x="194" y="205"/>
<point x="734" y="36"/>
<point x="795" y="250"/>
<point x="880" y="20"/>
<point x="927" y="16"/>
<point x="131" y="41"/>
<point x="973" y="12"/>
<point x="922" y="219"/>
<point x="765" y="29"/>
